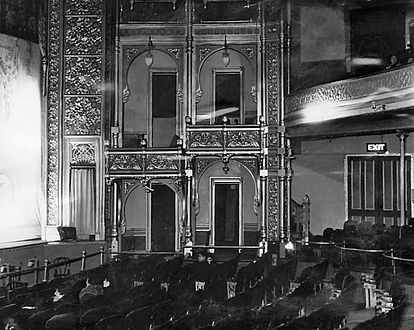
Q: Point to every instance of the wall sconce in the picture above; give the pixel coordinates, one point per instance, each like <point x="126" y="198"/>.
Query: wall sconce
<point x="226" y="55"/>
<point x="149" y="59"/>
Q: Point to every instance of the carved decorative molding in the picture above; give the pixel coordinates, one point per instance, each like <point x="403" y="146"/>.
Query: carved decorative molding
<point x="83" y="154"/>
<point x="126" y="93"/>
<point x="272" y="212"/>
<point x="352" y="89"/>
<point x="180" y="94"/>
<point x="203" y="53"/>
<point x="228" y="30"/>
<point x="53" y="114"/>
<point x="205" y="139"/>
<point x="162" y="162"/>
<point x="253" y="93"/>
<point x="83" y="35"/>
<point x="243" y="139"/>
<point x="249" y="52"/>
<point x="201" y="165"/>
<point x="127" y="185"/>
<point x="179" y="31"/>
<point x="199" y="94"/>
<point x="83" y="75"/>
<point x="124" y="162"/>
<point x="251" y="164"/>
<point x="82" y="7"/>
<point x="131" y="53"/>
<point x="176" y="53"/>
<point x="82" y="115"/>
<point x="273" y="82"/>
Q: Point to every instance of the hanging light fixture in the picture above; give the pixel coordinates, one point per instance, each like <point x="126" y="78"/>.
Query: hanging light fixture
<point x="226" y="55"/>
<point x="149" y="58"/>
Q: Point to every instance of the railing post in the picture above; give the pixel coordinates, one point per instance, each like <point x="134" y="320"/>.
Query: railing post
<point x="46" y="273"/>
<point x="393" y="261"/>
<point x="83" y="261"/>
<point x="306" y="219"/>
<point x="102" y="256"/>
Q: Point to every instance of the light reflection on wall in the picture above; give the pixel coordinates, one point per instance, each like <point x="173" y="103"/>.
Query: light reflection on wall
<point x="21" y="197"/>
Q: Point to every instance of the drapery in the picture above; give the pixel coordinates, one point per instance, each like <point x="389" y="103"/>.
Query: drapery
<point x="22" y="202"/>
<point x="82" y="201"/>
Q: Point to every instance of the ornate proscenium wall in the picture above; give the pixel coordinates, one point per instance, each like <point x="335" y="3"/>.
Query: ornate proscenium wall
<point x="75" y="93"/>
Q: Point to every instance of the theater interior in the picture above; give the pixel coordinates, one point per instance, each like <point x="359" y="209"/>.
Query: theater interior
<point x="206" y="164"/>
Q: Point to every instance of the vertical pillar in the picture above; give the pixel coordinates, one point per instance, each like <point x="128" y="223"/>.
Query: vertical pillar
<point x="114" y="226"/>
<point x="306" y="219"/>
<point x="189" y="58"/>
<point x="402" y="136"/>
<point x="188" y="243"/>
<point x="289" y="174"/>
<point x="281" y="129"/>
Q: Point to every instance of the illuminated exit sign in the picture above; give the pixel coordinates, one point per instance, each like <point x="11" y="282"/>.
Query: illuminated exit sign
<point x="376" y="147"/>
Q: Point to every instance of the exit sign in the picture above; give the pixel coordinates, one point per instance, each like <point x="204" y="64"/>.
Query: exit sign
<point x="376" y="147"/>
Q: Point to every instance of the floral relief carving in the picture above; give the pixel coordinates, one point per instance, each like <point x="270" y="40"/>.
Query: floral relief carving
<point x="342" y="91"/>
<point x="131" y="53"/>
<point x="82" y="115"/>
<point x="162" y="162"/>
<point x="205" y="139"/>
<point x="127" y="186"/>
<point x="203" y="53"/>
<point x="249" y="52"/>
<point x="83" y="153"/>
<point x="83" y="35"/>
<point x="175" y="52"/>
<point x="83" y="75"/>
<point x="201" y="165"/>
<point x="53" y="114"/>
<point x="273" y="83"/>
<point x="250" y="164"/>
<point x="83" y="7"/>
<point x="273" y="206"/>
<point x="243" y="139"/>
<point x="125" y="162"/>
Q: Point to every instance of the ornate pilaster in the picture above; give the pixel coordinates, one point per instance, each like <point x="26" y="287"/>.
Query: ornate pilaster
<point x="272" y="100"/>
<point x="402" y="136"/>
<point x="53" y="118"/>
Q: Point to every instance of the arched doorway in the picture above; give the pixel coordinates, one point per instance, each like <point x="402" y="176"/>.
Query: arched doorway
<point x="163" y="214"/>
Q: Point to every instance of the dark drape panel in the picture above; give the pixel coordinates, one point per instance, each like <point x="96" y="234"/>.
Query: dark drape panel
<point x="232" y="213"/>
<point x="82" y="200"/>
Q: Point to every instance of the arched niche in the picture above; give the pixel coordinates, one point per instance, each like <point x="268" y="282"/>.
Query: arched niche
<point x="140" y="95"/>
<point x="212" y="67"/>
<point x="203" y="200"/>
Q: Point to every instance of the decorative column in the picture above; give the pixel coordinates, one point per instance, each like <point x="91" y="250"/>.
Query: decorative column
<point x="188" y="243"/>
<point x="281" y="128"/>
<point x="263" y="172"/>
<point x="115" y="246"/>
<point x="189" y="58"/>
<point x="289" y="174"/>
<point x="402" y="136"/>
<point x="271" y="104"/>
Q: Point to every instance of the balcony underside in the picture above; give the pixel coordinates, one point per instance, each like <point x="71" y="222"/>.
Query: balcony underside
<point x="368" y="105"/>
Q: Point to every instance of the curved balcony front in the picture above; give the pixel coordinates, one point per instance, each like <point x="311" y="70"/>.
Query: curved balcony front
<point x="377" y="103"/>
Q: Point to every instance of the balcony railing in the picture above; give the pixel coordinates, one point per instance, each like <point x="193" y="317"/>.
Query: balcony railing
<point x="383" y="92"/>
<point x="236" y="139"/>
<point x="126" y="162"/>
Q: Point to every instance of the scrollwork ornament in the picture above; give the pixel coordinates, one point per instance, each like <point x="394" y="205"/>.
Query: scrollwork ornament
<point x="253" y="93"/>
<point x="203" y="53"/>
<point x="273" y="208"/>
<point x="126" y="93"/>
<point x="180" y="94"/>
<point x="131" y="53"/>
<point x="249" y="51"/>
<point x="243" y="139"/>
<point x="175" y="52"/>
<point x="199" y="94"/>
<point x="205" y="139"/>
<point x="127" y="186"/>
<point x="83" y="154"/>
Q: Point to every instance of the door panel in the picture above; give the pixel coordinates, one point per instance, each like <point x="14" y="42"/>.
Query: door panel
<point x="226" y="213"/>
<point x="162" y="218"/>
<point x="373" y="188"/>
